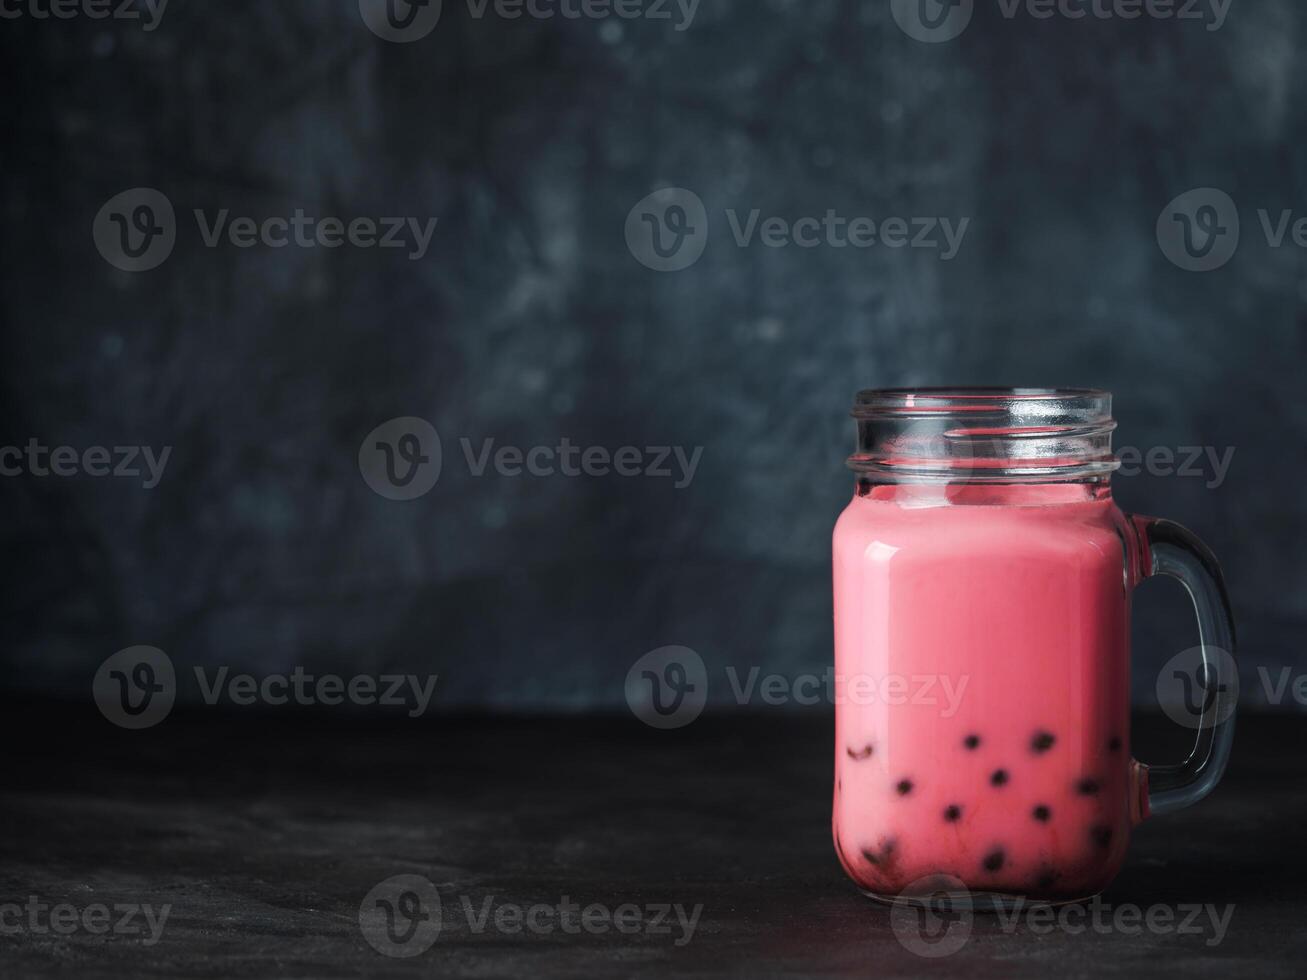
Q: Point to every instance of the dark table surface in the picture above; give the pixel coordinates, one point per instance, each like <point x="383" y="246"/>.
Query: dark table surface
<point x="263" y="836"/>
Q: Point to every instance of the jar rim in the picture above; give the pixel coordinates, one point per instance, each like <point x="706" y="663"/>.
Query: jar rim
<point x="983" y="434"/>
<point x="964" y="398"/>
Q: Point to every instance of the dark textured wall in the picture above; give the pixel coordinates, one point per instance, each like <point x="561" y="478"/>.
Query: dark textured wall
<point x="529" y="320"/>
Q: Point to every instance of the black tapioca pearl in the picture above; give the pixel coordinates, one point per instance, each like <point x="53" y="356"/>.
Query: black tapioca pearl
<point x="953" y="813"/>
<point x="1041" y="813"/>
<point x="994" y="860"/>
<point x="1046" y="880"/>
<point x="1114" y="743"/>
<point x="904" y="787"/>
<point x="883" y="856"/>
<point x="972" y="742"/>
<point x="858" y="755"/>
<point x="1101" y="835"/>
<point x="1088" y="787"/>
<point x="999" y="778"/>
<point x="1041" y="742"/>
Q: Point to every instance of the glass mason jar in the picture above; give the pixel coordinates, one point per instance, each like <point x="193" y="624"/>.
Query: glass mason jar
<point x="982" y="583"/>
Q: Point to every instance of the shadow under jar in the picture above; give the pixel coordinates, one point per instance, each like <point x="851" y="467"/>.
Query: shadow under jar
<point x="982" y="583"/>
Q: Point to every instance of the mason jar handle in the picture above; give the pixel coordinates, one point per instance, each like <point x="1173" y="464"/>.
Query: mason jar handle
<point x="1209" y="680"/>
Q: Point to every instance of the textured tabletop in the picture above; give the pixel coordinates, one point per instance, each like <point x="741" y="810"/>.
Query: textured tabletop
<point x="226" y="846"/>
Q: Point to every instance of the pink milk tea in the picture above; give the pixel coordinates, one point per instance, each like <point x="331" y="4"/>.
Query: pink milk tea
<point x="1002" y="760"/>
<point x="983" y="577"/>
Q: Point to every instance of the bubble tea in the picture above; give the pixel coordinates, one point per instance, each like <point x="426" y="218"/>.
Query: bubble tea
<point x="982" y="575"/>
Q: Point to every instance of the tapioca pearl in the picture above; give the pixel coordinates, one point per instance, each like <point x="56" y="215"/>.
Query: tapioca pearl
<point x="999" y="777"/>
<point x="953" y="813"/>
<point x="1041" y="742"/>
<point x="858" y="755"/>
<point x="903" y="787"/>
<point x="881" y="855"/>
<point x="1088" y="787"/>
<point x="1101" y="835"/>
<point x="972" y="742"/>
<point x="994" y="860"/>
<point x="1046" y="880"/>
<point x="1041" y="813"/>
<point x="1114" y="743"/>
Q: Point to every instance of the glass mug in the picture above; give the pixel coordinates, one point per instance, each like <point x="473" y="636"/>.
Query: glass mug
<point x="982" y="583"/>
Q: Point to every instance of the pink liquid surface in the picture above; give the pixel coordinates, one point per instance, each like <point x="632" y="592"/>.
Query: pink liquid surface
<point x="1016" y="600"/>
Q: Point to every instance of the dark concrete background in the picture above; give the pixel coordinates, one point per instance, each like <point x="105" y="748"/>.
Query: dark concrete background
<point x="530" y="320"/>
